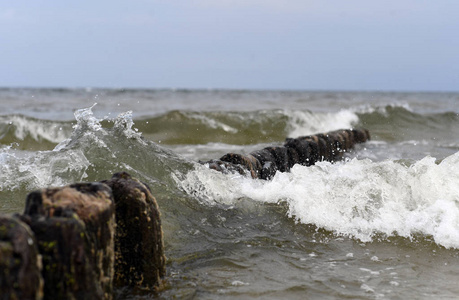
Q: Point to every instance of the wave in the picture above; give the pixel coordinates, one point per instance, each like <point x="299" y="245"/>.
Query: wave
<point x="360" y="198"/>
<point x="397" y="123"/>
<point x="357" y="198"/>
<point x="392" y="122"/>
<point x="91" y="153"/>
<point x="31" y="133"/>
<point x="181" y="127"/>
<point x="240" y="128"/>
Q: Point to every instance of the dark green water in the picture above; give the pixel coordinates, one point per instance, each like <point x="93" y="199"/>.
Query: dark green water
<point x="384" y="224"/>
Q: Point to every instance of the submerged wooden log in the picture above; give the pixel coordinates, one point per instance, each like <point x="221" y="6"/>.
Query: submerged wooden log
<point x="304" y="150"/>
<point x="20" y="265"/>
<point x="140" y="259"/>
<point x="74" y="226"/>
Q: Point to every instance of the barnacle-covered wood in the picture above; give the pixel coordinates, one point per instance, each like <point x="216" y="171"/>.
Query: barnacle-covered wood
<point x="74" y="226"/>
<point x="20" y="264"/>
<point x="140" y="260"/>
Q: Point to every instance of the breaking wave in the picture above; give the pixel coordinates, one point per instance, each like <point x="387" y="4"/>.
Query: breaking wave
<point x="357" y="198"/>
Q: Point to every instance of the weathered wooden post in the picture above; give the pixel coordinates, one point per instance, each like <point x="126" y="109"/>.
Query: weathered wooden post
<point x="64" y="245"/>
<point x="139" y="249"/>
<point x="20" y="264"/>
<point x="74" y="226"/>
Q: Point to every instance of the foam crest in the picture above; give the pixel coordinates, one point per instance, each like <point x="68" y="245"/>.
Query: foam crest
<point x="358" y="198"/>
<point x="306" y="122"/>
<point x="209" y="186"/>
<point x="86" y="121"/>
<point x="124" y="123"/>
<point x="213" y="123"/>
<point x="383" y="109"/>
<point x="87" y="125"/>
<point x="89" y="130"/>
<point x="24" y="127"/>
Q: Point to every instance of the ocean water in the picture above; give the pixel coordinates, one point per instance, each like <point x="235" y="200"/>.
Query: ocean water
<point x="382" y="224"/>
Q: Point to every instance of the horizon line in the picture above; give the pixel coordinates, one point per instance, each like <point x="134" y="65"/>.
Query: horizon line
<point x="178" y="89"/>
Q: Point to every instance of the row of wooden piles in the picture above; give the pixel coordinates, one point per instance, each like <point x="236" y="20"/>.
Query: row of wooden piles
<point x="81" y="241"/>
<point x="304" y="150"/>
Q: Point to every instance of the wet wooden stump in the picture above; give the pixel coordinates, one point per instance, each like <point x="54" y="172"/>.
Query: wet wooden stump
<point x="139" y="249"/>
<point x="64" y="245"/>
<point x="75" y="227"/>
<point x="20" y="265"/>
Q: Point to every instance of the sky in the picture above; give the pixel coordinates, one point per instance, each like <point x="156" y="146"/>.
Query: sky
<point x="402" y="45"/>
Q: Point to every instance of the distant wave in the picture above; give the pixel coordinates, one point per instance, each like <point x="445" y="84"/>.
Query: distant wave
<point x="31" y="133"/>
<point x="393" y="122"/>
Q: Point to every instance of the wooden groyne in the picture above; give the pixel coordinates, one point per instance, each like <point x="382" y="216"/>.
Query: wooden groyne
<point x="82" y="240"/>
<point x="304" y="150"/>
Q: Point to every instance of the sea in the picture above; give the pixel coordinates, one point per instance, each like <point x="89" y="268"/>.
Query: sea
<point x="381" y="224"/>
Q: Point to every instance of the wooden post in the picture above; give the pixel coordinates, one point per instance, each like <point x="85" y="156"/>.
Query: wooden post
<point x="20" y="265"/>
<point x="75" y="227"/>
<point x="139" y="249"/>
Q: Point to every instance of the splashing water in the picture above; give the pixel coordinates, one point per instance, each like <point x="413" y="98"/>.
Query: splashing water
<point x="358" y="198"/>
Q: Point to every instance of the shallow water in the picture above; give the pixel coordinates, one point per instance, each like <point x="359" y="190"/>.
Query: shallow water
<point x="384" y="223"/>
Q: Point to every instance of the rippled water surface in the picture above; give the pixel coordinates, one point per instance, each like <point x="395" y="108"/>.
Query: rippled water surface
<point x="382" y="224"/>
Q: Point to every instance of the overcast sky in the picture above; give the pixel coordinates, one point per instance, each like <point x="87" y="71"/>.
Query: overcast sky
<point x="407" y="45"/>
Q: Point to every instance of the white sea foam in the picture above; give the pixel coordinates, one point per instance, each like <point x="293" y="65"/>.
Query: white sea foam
<point x="359" y="198"/>
<point x="306" y="123"/>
